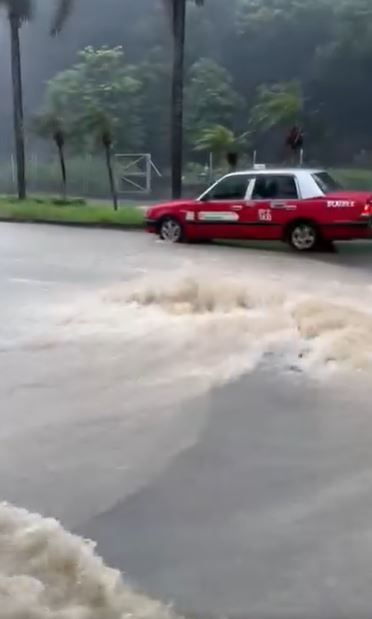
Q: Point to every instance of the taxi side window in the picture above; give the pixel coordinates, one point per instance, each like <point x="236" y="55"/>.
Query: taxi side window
<point x="275" y="188"/>
<point x="230" y="188"/>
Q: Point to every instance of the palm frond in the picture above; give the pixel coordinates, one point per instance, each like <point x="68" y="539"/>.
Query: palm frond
<point x="169" y="6"/>
<point x="19" y="9"/>
<point x="216" y="139"/>
<point x="63" y="10"/>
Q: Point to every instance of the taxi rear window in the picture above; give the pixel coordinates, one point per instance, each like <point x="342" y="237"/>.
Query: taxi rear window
<point x="326" y="182"/>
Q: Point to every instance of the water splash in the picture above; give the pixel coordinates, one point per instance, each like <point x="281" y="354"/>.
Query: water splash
<point x="47" y="573"/>
<point x="214" y="326"/>
<point x="322" y="327"/>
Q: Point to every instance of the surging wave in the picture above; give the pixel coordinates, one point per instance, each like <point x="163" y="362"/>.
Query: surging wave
<point x="321" y="328"/>
<point x="200" y="296"/>
<point x="47" y="573"/>
<point x="213" y="326"/>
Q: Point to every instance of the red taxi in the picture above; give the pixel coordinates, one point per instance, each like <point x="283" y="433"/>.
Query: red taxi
<point x="303" y="207"/>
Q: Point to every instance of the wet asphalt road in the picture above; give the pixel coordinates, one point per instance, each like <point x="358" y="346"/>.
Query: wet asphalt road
<point x="268" y="515"/>
<point x="255" y="500"/>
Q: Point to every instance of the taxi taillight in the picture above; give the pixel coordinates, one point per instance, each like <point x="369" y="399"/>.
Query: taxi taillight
<point x="367" y="211"/>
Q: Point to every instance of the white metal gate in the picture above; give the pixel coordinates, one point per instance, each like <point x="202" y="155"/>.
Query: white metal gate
<point x="134" y="173"/>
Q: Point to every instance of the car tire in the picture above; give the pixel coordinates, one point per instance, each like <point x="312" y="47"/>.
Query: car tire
<point x="303" y="236"/>
<point x="170" y="230"/>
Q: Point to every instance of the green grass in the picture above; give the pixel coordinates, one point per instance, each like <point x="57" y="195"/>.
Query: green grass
<point x="73" y="212"/>
<point x="354" y="178"/>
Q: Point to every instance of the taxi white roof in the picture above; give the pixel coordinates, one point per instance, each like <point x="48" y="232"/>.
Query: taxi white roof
<point x="295" y="171"/>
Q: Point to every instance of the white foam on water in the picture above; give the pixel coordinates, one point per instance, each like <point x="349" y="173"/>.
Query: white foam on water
<point x="210" y="324"/>
<point x="47" y="573"/>
<point x="213" y="327"/>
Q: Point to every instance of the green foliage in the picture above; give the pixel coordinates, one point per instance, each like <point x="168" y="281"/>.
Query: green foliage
<point x="276" y="14"/>
<point x="216" y="139"/>
<point x="47" y="125"/>
<point x="235" y="51"/>
<point x="210" y="98"/>
<point x="99" y="89"/>
<point x="219" y="140"/>
<point x="153" y="75"/>
<point x="354" y="178"/>
<point x="87" y="176"/>
<point x="277" y="105"/>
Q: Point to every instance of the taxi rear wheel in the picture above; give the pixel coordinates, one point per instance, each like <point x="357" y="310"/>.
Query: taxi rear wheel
<point x="170" y="230"/>
<point x="303" y="236"/>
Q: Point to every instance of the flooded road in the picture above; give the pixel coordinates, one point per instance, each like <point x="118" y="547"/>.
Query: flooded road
<point x="202" y="412"/>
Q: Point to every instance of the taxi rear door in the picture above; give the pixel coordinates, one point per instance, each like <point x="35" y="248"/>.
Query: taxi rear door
<point x="275" y="198"/>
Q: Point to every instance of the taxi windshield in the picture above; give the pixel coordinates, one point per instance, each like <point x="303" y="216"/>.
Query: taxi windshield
<point x="326" y="182"/>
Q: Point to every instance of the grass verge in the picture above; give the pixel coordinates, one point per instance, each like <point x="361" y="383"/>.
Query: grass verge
<point x="73" y="212"/>
<point x="357" y="179"/>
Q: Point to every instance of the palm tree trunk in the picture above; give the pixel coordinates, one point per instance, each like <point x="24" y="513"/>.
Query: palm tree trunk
<point x="18" y="105"/>
<point x="179" y="18"/>
<point x="62" y="161"/>
<point x="111" y="177"/>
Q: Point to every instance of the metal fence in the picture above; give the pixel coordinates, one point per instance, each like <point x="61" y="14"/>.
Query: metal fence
<point x="138" y="177"/>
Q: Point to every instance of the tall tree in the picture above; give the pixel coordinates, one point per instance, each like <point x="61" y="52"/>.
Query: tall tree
<point x="210" y="98"/>
<point x="100" y="80"/>
<point x="176" y="10"/>
<point x="20" y="11"/>
<point x="102" y="129"/>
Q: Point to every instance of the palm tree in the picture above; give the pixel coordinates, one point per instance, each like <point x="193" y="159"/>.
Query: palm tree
<point x="218" y="140"/>
<point x="63" y="10"/>
<point x="176" y="10"/>
<point x="223" y="143"/>
<point x="20" y="11"/>
<point x="49" y="126"/>
<point x="101" y="127"/>
<point x="107" y="139"/>
<point x="278" y="105"/>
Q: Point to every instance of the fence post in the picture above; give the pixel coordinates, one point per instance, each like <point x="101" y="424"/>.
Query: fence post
<point x="210" y="168"/>
<point x="13" y="171"/>
<point x="148" y="174"/>
<point x="254" y="159"/>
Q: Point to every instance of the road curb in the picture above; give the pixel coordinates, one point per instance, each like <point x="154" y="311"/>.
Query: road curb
<point x="73" y="224"/>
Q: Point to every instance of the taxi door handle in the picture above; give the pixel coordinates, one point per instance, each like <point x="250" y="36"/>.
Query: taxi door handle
<point x="279" y="205"/>
<point x="236" y="207"/>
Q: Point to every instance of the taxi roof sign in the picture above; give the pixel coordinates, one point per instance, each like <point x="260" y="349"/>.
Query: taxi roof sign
<point x="259" y="166"/>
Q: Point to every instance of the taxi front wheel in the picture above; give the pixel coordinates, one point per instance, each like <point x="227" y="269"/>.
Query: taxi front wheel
<point x="171" y="230"/>
<point x="303" y="236"/>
